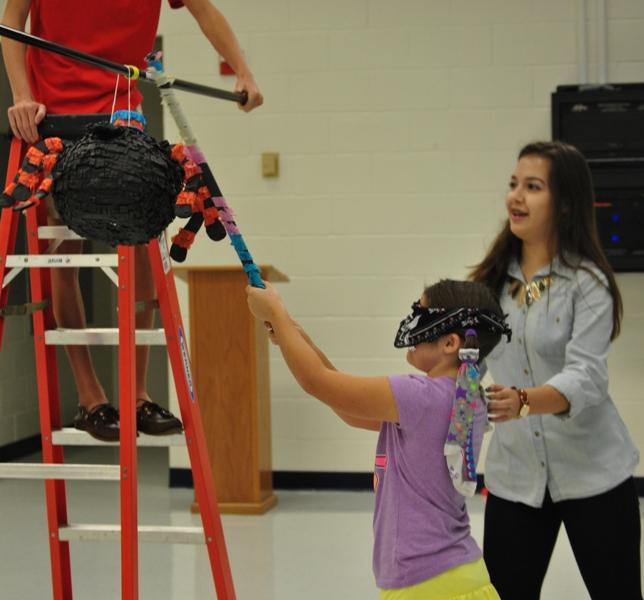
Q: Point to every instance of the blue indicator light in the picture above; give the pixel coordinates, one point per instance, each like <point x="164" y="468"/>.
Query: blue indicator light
<point x="615" y="218"/>
<point x="614" y="238"/>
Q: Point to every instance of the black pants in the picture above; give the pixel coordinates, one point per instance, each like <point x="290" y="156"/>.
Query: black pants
<point x="604" y="533"/>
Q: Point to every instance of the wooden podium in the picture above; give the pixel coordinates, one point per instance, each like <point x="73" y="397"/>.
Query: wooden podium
<point x="229" y="353"/>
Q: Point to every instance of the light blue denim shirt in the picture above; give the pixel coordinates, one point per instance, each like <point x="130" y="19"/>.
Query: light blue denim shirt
<point x="561" y="340"/>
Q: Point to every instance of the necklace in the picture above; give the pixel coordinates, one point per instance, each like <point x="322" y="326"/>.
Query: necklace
<point x="527" y="293"/>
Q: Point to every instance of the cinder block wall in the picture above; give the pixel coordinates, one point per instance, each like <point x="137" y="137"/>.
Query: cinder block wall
<point x="397" y="125"/>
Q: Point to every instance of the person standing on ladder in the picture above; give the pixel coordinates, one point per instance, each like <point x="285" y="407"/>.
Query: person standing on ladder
<point x="41" y="82"/>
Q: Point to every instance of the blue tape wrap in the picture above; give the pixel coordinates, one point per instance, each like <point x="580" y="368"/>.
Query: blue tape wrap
<point x="250" y="268"/>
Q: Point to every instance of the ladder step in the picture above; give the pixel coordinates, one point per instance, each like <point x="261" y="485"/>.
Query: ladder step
<point x="57" y="232"/>
<point x="147" y="533"/>
<point x="101" y="337"/>
<point x="59" y="471"/>
<point x="68" y="436"/>
<point x="62" y="260"/>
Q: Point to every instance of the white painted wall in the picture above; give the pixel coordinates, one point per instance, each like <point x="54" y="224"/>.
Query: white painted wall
<point x="397" y="125"/>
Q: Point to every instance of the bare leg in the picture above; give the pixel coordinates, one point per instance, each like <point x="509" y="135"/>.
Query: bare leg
<point x="144" y="290"/>
<point x="69" y="312"/>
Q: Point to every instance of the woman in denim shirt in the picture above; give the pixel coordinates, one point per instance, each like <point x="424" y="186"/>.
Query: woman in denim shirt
<point x="560" y="451"/>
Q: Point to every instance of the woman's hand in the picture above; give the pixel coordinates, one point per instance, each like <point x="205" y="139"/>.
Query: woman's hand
<point x="265" y="304"/>
<point x="503" y="403"/>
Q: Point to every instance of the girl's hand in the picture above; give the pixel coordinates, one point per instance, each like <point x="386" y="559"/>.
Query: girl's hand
<point x="265" y="304"/>
<point x="271" y="333"/>
<point x="503" y="403"/>
<point x="273" y="338"/>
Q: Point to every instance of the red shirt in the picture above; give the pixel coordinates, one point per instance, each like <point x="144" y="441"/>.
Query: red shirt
<point x="122" y="31"/>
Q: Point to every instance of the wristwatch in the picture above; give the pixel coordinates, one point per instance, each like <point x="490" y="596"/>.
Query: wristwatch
<point x="524" y="408"/>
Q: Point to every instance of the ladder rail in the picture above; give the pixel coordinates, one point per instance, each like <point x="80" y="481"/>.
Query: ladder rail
<point x="165" y="534"/>
<point x="10" y="275"/>
<point x="65" y="471"/>
<point x="8" y="228"/>
<point x="49" y="407"/>
<point x="127" y="406"/>
<point x="101" y="336"/>
<point x="70" y="436"/>
<point x="61" y="261"/>
<point x="53" y="470"/>
<point x="191" y="416"/>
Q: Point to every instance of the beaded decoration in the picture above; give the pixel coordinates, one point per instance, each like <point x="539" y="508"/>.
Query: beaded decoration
<point x="527" y="293"/>
<point x="459" y="447"/>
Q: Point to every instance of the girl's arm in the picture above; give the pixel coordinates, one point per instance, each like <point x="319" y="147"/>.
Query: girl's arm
<point x="370" y="424"/>
<point x="352" y="397"/>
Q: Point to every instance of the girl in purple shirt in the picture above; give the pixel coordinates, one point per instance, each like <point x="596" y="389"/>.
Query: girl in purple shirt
<point x="431" y="427"/>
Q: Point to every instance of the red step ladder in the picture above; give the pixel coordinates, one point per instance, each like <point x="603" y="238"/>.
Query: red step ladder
<point x="40" y="258"/>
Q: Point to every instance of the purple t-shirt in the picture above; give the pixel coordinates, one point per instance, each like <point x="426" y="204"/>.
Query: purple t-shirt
<point x="421" y="526"/>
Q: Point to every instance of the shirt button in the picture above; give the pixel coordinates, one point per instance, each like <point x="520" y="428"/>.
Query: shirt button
<point x="526" y="371"/>
<point x="520" y="341"/>
<point x="557" y="320"/>
<point x="543" y="465"/>
<point x="536" y="434"/>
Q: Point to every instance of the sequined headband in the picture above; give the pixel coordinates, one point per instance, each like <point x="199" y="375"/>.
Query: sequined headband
<point x="428" y="324"/>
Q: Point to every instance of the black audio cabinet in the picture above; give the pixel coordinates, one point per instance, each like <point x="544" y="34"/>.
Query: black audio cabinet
<point x="607" y="124"/>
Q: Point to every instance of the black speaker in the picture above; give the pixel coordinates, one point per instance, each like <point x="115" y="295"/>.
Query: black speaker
<point x="607" y="124"/>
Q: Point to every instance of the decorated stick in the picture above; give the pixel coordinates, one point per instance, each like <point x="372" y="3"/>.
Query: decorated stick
<point x="226" y="215"/>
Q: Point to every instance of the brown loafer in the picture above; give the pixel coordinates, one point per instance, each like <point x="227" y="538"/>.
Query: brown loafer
<point x="101" y="423"/>
<point x="156" y="420"/>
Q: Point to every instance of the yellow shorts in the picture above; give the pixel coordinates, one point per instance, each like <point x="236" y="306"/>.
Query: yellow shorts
<point x="470" y="581"/>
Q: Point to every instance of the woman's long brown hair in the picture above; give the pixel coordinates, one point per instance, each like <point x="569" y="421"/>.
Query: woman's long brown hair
<point x="570" y="182"/>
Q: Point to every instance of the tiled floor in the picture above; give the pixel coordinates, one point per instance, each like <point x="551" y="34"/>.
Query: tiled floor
<point x="312" y="546"/>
